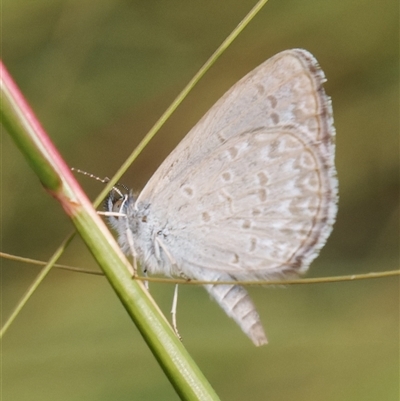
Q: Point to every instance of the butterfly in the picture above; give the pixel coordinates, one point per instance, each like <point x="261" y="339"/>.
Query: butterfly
<point x="249" y="194"/>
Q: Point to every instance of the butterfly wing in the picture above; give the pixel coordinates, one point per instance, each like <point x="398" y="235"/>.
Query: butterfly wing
<point x="251" y="191"/>
<point x="284" y="90"/>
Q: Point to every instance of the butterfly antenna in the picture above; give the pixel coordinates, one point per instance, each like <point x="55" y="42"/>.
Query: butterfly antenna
<point x="104" y="180"/>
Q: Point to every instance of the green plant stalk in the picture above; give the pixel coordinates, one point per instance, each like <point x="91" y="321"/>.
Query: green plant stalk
<point x="41" y="155"/>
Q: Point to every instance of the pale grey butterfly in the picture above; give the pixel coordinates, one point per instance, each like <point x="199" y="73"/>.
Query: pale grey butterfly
<point x="249" y="194"/>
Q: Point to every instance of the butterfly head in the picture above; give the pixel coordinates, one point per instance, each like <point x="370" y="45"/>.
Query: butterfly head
<point x="117" y="204"/>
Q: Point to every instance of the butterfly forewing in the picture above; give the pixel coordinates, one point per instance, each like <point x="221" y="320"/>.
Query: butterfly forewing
<point x="284" y="90"/>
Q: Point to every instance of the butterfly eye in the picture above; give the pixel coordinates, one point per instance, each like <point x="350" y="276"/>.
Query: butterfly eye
<point x="116" y="206"/>
<point x="115" y="201"/>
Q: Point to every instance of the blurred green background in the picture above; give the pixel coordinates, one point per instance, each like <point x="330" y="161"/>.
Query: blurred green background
<point x="98" y="75"/>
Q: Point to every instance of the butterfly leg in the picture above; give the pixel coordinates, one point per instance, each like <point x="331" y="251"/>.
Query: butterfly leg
<point x="132" y="269"/>
<point x="173" y="312"/>
<point x="160" y="244"/>
<point x="129" y="237"/>
<point x="146" y="283"/>
<point x="170" y="258"/>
